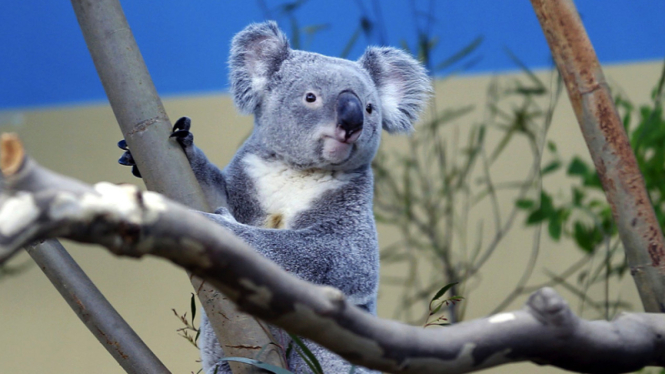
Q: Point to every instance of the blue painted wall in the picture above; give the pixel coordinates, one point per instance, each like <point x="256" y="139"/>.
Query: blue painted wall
<point x="44" y="60"/>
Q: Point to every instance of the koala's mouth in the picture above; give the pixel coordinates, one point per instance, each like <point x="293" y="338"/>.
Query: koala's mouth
<point x="337" y="150"/>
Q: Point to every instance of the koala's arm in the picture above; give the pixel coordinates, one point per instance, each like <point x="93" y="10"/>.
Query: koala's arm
<point x="297" y="251"/>
<point x="322" y="253"/>
<point x="209" y="176"/>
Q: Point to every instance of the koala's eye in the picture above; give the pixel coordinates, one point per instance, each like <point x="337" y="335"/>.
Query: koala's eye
<point x="310" y="97"/>
<point x="369" y="108"/>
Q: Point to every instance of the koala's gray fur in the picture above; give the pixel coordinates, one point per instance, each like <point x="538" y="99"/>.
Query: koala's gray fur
<point x="300" y="188"/>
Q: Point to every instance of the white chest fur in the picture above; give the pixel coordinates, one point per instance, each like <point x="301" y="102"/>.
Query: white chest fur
<point x="284" y="192"/>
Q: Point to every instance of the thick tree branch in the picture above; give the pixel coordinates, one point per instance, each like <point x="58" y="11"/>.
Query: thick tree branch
<point x="129" y="222"/>
<point x="164" y="168"/>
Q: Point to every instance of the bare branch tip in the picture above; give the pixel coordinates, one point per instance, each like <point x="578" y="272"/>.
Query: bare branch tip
<point x="12" y="153"/>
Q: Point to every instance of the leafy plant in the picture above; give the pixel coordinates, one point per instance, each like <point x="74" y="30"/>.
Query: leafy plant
<point x="428" y="191"/>
<point x="437" y="302"/>
<point x="189" y="329"/>
<point x="304" y="353"/>
<point x="584" y="215"/>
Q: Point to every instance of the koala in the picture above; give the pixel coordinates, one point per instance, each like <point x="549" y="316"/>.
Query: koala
<point x="300" y="188"/>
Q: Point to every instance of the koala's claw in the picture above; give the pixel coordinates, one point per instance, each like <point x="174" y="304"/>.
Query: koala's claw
<point x="123" y="145"/>
<point x="181" y="132"/>
<point x="127" y="159"/>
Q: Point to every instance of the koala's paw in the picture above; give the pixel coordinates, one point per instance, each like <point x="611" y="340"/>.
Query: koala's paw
<point x="127" y="159"/>
<point x="181" y="132"/>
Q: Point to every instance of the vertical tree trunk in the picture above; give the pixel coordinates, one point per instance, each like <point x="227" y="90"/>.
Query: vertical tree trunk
<point x="163" y="165"/>
<point x="609" y="146"/>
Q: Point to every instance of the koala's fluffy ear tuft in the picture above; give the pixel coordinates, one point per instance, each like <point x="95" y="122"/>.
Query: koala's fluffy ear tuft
<point x="257" y="52"/>
<point x="403" y="86"/>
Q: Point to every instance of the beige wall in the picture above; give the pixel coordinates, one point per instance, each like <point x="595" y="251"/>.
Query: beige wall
<point x="41" y="334"/>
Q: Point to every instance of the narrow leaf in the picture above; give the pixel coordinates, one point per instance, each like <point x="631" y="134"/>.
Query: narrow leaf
<point x="525" y="203"/>
<point x="193" y="306"/>
<point x="261" y="365"/>
<point x="551" y="167"/>
<point x="443" y="290"/>
<point x="459" y="55"/>
<point x="551" y="146"/>
<point x="554" y="227"/>
<point x="314" y="364"/>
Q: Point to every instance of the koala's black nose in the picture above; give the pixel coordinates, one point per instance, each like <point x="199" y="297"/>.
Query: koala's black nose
<point x="349" y="113"/>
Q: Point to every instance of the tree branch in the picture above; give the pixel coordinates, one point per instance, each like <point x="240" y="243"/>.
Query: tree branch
<point x="163" y="165"/>
<point x="130" y="222"/>
<point x="98" y="315"/>
<point x="609" y="147"/>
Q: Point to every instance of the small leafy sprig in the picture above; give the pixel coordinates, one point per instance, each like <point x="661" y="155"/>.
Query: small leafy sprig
<point x="189" y="332"/>
<point x="438" y="302"/>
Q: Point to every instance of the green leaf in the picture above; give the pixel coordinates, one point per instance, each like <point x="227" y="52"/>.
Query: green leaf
<point x="536" y="216"/>
<point x="578" y="196"/>
<point x="307" y="355"/>
<point x="546" y="204"/>
<point x="459" y="55"/>
<point x="295" y="33"/>
<point x="525" y="203"/>
<point x="578" y="167"/>
<point x="551" y="167"/>
<point x="554" y="227"/>
<point x="436" y="310"/>
<point x="443" y="290"/>
<point x="539" y="88"/>
<point x="352" y="41"/>
<point x="551" y="146"/>
<point x="193" y="306"/>
<point x="586" y="237"/>
<point x="544" y="212"/>
<point x="592" y="180"/>
<point x="261" y="365"/>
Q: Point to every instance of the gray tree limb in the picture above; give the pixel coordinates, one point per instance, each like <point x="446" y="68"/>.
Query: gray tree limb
<point x="164" y="167"/>
<point x="38" y="203"/>
<point x="98" y="315"/>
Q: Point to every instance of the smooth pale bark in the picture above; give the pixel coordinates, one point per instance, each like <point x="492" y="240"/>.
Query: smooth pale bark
<point x="130" y="222"/>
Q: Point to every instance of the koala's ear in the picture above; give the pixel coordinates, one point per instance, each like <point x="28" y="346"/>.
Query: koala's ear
<point x="403" y="86"/>
<point x="257" y="52"/>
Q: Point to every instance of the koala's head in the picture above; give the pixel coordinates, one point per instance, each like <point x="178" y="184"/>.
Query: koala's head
<point x="315" y="111"/>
